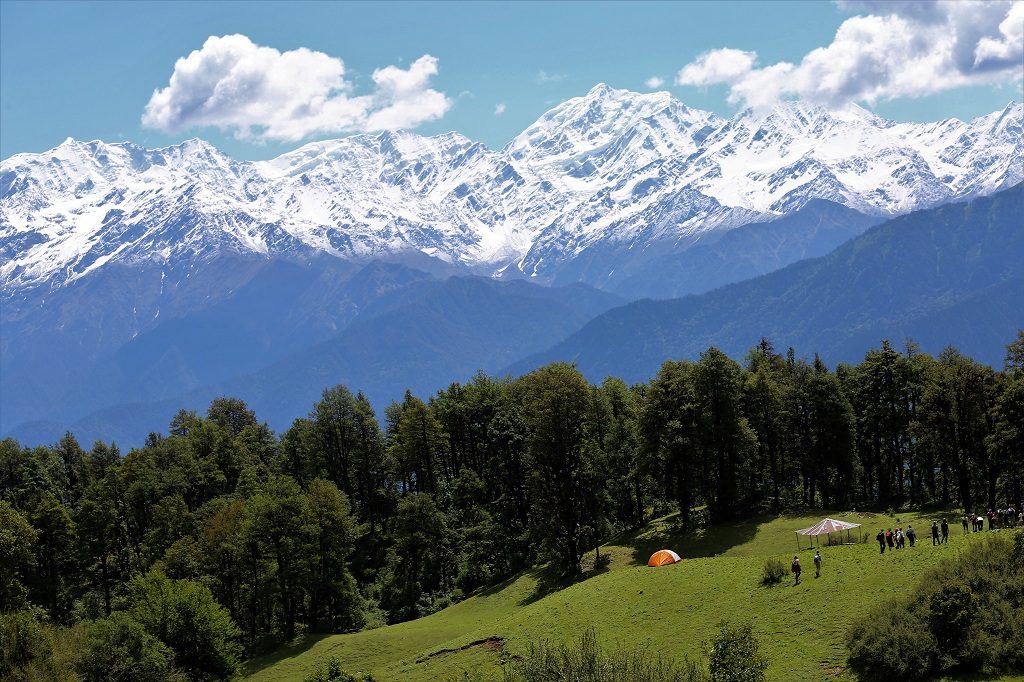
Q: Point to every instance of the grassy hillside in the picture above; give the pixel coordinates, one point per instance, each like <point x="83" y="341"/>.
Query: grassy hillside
<point x="672" y="609"/>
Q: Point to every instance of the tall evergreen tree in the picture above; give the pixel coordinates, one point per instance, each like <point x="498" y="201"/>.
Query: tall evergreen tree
<point x="557" y="404"/>
<point x="669" y="426"/>
<point x="725" y="443"/>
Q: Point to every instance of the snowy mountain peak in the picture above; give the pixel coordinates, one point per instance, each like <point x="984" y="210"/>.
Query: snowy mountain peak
<point x="611" y="169"/>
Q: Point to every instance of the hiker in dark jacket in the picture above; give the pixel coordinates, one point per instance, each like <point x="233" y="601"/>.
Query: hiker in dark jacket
<point x="911" y="535"/>
<point x="935" y="533"/>
<point x="945" y="531"/>
<point x="881" y="540"/>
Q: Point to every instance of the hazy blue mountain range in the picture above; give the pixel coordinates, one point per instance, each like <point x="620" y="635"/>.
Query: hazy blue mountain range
<point x="420" y="335"/>
<point x="950" y="275"/>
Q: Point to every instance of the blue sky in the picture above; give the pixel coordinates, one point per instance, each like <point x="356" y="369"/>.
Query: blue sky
<point x="88" y="70"/>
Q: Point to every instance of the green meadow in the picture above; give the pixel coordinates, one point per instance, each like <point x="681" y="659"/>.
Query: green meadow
<point x="672" y="610"/>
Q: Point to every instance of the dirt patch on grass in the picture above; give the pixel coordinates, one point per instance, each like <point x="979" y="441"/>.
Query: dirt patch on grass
<point x="496" y="644"/>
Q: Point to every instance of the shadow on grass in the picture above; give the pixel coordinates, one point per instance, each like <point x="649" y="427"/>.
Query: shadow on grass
<point x="664" y="533"/>
<point x="296" y="647"/>
<point x="708" y="541"/>
<point x="549" y="580"/>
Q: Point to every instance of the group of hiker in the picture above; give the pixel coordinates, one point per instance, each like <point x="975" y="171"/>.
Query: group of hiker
<point x="897" y="539"/>
<point x="796" y="569"/>
<point x="997" y="518"/>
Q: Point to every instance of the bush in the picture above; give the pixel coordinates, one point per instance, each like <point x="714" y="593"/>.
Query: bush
<point x="773" y="572"/>
<point x="891" y="643"/>
<point x="965" y="614"/>
<point x="119" y="648"/>
<point x="331" y="672"/>
<point x="735" y="655"/>
<point x="33" y="650"/>
<point x="184" y="615"/>
<point x="587" y="661"/>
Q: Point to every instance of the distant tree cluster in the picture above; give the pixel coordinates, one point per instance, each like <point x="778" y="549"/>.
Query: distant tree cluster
<point x="221" y="539"/>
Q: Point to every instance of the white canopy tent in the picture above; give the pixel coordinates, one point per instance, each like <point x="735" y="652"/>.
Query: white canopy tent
<point x="826" y="527"/>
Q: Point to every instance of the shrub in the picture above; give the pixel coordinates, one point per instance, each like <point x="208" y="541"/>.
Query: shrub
<point x="587" y="661"/>
<point x="184" y="615"/>
<point x="965" y="614"/>
<point x="33" y="650"/>
<point x="891" y="643"/>
<point x="735" y="655"/>
<point x="119" y="648"/>
<point x="331" y="672"/>
<point x="773" y="572"/>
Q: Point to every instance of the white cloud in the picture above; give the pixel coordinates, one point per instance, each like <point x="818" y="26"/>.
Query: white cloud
<point x="717" y="66"/>
<point x="545" y="77"/>
<point x="1008" y="45"/>
<point x="259" y="93"/>
<point x="654" y="82"/>
<point x="896" y="49"/>
<point x="499" y="109"/>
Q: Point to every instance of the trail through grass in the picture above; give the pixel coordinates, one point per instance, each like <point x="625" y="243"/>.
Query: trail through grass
<point x="672" y="610"/>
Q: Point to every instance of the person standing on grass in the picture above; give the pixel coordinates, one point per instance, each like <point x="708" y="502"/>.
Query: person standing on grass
<point x="935" y="533"/>
<point x="964" y="521"/>
<point x="817" y="563"/>
<point x="889" y="540"/>
<point x="912" y="535"/>
<point x="945" y="531"/>
<point x="881" y="540"/>
<point x="796" y="569"/>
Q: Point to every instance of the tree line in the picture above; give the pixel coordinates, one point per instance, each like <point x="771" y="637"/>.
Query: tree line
<point x="346" y="521"/>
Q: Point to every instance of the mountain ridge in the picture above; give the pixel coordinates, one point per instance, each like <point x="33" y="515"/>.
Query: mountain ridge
<point x="612" y="167"/>
<point x="947" y="275"/>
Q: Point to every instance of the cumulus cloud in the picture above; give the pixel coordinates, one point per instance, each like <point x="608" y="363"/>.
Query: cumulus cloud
<point x="499" y="109"/>
<point x="717" y="66"/>
<point x="260" y="93"/>
<point x="654" y="82"/>
<point x="895" y="49"/>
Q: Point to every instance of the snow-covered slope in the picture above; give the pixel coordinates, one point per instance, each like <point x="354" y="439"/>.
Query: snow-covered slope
<point x="612" y="171"/>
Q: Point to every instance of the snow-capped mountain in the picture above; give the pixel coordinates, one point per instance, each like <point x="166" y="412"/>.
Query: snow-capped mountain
<point x="613" y="172"/>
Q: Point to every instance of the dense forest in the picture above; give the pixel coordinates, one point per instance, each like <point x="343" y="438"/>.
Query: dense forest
<point x="222" y="539"/>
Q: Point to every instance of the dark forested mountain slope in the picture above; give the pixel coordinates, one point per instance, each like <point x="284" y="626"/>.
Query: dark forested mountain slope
<point x="746" y="252"/>
<point x="123" y="336"/>
<point x="421" y="337"/>
<point x="954" y="274"/>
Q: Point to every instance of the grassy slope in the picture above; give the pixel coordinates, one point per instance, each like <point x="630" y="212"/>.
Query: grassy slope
<point x="671" y="609"/>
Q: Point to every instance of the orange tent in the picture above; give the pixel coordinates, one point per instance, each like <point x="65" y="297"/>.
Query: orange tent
<point x="663" y="557"/>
